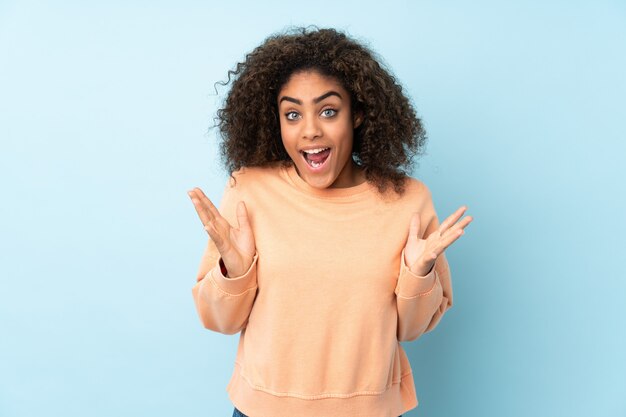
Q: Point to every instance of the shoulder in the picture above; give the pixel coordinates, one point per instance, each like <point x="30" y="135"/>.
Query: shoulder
<point x="246" y="184"/>
<point x="417" y="187"/>
<point x="246" y="177"/>
<point x="415" y="191"/>
<point x="416" y="197"/>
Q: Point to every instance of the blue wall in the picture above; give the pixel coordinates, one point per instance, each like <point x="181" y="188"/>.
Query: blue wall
<point x="104" y="111"/>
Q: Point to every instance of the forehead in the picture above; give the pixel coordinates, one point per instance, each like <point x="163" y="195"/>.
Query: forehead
<point x="310" y="83"/>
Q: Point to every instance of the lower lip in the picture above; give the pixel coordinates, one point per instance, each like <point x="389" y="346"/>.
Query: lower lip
<point x="319" y="168"/>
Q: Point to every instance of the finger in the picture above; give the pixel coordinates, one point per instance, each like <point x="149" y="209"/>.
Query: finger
<point x="213" y="233"/>
<point x="448" y="222"/>
<point x="414" y="227"/>
<point x="242" y="216"/>
<point x="203" y="213"/>
<point x="451" y="219"/>
<point x="212" y="211"/>
<point x="460" y="225"/>
<point x="449" y="240"/>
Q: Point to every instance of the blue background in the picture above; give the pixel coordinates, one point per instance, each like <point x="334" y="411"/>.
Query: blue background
<point x="104" y="116"/>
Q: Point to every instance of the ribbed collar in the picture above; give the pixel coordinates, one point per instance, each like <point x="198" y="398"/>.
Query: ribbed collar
<point x="328" y="193"/>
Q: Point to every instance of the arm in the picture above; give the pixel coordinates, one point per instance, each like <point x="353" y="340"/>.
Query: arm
<point x="423" y="300"/>
<point x="224" y="303"/>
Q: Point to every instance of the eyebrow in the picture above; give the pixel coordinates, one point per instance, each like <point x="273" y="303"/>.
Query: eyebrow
<point x="315" y="100"/>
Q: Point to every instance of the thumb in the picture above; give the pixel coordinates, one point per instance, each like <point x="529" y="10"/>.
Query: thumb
<point x="414" y="228"/>
<point x="242" y="216"/>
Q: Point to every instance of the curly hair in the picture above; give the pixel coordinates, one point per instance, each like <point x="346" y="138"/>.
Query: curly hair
<point x="384" y="144"/>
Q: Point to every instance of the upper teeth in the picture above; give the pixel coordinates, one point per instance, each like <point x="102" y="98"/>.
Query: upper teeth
<point x="318" y="150"/>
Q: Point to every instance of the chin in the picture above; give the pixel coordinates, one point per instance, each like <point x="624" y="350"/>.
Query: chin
<point x="319" y="183"/>
<point x="320" y="186"/>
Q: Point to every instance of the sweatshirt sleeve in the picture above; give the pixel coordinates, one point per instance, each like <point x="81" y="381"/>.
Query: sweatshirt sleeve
<point x="423" y="300"/>
<point x="224" y="303"/>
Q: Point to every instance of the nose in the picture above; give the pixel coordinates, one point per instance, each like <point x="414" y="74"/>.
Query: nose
<point x="311" y="128"/>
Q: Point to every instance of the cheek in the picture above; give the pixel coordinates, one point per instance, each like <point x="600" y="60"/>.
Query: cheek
<point x="288" y="140"/>
<point x="344" y="133"/>
<point x="285" y="128"/>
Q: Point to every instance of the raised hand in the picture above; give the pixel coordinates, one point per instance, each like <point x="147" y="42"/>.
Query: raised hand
<point x="236" y="246"/>
<point x="420" y="254"/>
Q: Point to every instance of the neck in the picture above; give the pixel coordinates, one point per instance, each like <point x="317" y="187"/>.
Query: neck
<point x="353" y="177"/>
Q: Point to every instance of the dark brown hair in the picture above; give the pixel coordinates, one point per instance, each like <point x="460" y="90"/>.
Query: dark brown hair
<point x="384" y="144"/>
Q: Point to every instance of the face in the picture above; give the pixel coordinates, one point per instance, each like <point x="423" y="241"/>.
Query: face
<point x="317" y="127"/>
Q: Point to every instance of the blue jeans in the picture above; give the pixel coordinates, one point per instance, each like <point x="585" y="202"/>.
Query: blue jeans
<point x="237" y="413"/>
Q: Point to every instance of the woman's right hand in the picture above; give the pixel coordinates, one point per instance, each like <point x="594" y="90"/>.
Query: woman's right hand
<point x="236" y="246"/>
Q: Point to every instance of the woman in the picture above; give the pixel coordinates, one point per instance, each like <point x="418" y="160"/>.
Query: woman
<point x="324" y="253"/>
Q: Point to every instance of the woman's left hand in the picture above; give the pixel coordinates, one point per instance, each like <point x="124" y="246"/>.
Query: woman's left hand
<point x="420" y="254"/>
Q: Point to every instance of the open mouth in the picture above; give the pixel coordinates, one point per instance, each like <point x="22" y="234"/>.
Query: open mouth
<point x="316" y="158"/>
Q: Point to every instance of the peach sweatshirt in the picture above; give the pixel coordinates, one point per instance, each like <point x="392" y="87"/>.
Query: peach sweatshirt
<point x="327" y="299"/>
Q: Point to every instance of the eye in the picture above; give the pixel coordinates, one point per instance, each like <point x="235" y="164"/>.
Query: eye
<point x="329" y="112"/>
<point x="292" y="115"/>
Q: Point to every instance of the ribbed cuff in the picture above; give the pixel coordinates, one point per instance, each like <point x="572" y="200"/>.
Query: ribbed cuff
<point x="236" y="285"/>
<point x="411" y="285"/>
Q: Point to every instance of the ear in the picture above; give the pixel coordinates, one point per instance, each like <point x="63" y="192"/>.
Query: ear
<point x="357" y="119"/>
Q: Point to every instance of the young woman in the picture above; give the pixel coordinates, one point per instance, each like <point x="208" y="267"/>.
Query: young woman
<point x="324" y="253"/>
